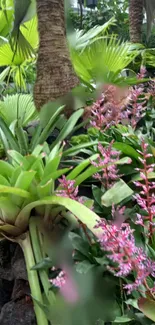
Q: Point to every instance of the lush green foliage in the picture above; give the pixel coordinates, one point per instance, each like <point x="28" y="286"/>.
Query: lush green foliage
<point x="67" y="184"/>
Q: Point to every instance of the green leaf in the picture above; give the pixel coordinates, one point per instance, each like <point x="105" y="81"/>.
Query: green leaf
<point x="82" y="165"/>
<point x="126" y="149"/>
<point x="3" y="181"/>
<point x="18" y="106"/>
<point x="55" y="175"/>
<point x="6" y="169"/>
<point x="122" y="319"/>
<point x="137" y="177"/>
<point x="50" y="126"/>
<point x="68" y="127"/>
<point x="97" y="193"/>
<point x="76" y="149"/>
<point x="17" y="158"/>
<point x="10" y="137"/>
<point x="92" y="170"/>
<point x="147" y="307"/>
<point x="23" y="181"/>
<point x="84" y="267"/>
<point x="116" y="194"/>
<point x="85" y="215"/>
<point x="52" y="165"/>
<point x="46" y="263"/>
<point x="9" y="210"/>
<point x="15" y="191"/>
<point x="79" y="244"/>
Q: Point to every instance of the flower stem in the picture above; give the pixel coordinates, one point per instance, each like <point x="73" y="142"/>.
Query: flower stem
<point x="33" y="279"/>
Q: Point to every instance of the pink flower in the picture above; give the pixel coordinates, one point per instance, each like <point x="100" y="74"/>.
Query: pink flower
<point x="107" y="159"/>
<point x="137" y="105"/>
<point x="142" y="73"/>
<point x="119" y="243"/>
<point x="146" y="198"/>
<point x="68" y="189"/>
<point x="65" y="282"/>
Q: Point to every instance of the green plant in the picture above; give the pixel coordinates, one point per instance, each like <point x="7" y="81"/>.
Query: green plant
<point x="27" y="192"/>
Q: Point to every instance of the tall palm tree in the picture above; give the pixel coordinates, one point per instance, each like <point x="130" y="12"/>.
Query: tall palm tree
<point x="136" y="19"/>
<point x="55" y="74"/>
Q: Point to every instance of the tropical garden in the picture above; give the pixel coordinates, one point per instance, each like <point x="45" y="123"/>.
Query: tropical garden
<point x="77" y="162"/>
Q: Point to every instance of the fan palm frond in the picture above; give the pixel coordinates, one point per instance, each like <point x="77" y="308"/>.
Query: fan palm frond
<point x="19" y="107"/>
<point x="24" y="10"/>
<point x="81" y="39"/>
<point x="104" y="55"/>
<point x="6" y="17"/>
<point x="16" y="60"/>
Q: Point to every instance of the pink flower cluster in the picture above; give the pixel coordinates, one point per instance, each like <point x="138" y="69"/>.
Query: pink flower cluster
<point x="65" y="282"/>
<point x="105" y="114"/>
<point x="107" y="159"/>
<point x="120" y="105"/>
<point x="68" y="189"/>
<point x="119" y="243"/>
<point x="136" y="106"/>
<point x="146" y="196"/>
<point x="60" y="280"/>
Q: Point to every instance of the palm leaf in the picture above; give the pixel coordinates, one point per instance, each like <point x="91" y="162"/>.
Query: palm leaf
<point x="104" y="55"/>
<point x="18" y="106"/>
<point x="81" y="39"/>
<point x="24" y="10"/>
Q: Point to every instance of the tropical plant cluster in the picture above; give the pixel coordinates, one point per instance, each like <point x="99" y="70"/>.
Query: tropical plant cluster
<point x="77" y="194"/>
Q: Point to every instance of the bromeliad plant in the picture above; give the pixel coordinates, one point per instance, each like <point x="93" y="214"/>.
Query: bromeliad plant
<point x="31" y="200"/>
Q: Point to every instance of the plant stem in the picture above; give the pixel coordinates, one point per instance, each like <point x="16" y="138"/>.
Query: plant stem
<point x="34" y="234"/>
<point x="33" y="279"/>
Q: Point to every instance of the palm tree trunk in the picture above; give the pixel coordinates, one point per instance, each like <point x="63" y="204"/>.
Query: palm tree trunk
<point x="136" y="20"/>
<point x="55" y="74"/>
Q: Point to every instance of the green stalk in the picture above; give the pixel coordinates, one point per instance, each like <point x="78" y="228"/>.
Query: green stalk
<point x="34" y="233"/>
<point x="33" y="279"/>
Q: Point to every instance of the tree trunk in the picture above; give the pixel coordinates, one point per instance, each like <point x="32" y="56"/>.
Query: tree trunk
<point x="136" y="20"/>
<point x="55" y="74"/>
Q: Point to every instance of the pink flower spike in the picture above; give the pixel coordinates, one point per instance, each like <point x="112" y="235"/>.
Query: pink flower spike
<point x="65" y="282"/>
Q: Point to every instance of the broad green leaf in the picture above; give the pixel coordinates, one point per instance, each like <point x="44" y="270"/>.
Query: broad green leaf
<point x="82" y="165"/>
<point x="52" y="165"/>
<point x="17" y="158"/>
<point x="6" y="169"/>
<point x="55" y="175"/>
<point x="79" y="244"/>
<point x="85" y="215"/>
<point x="9" y="210"/>
<point x="137" y="177"/>
<point x="126" y="149"/>
<point x="15" y="191"/>
<point x="116" y="194"/>
<point x="4" y="181"/>
<point x="45" y="190"/>
<point x="147" y="307"/>
<point x="97" y="193"/>
<point x="92" y="170"/>
<point x="25" y="179"/>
